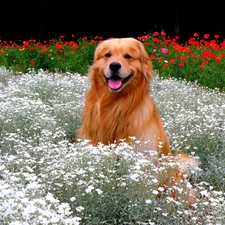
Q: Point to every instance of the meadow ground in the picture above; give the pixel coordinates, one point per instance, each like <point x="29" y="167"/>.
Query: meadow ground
<point x="47" y="178"/>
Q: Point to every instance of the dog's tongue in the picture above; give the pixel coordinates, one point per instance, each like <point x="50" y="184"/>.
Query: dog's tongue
<point x="115" y="84"/>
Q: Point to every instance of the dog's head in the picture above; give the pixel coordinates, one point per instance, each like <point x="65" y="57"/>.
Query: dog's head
<point x="120" y="62"/>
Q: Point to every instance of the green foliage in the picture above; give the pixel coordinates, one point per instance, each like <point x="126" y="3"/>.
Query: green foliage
<point x="199" y="60"/>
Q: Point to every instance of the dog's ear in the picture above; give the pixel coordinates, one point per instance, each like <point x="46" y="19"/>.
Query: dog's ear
<point x="94" y="69"/>
<point x="146" y="63"/>
<point x="99" y="51"/>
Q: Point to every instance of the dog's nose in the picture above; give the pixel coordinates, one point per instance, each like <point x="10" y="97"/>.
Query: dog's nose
<point x="114" y="66"/>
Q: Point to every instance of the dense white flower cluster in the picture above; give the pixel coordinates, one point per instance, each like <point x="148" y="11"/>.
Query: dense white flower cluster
<point x="47" y="178"/>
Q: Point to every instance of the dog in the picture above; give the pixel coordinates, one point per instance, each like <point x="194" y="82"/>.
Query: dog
<point x="118" y="103"/>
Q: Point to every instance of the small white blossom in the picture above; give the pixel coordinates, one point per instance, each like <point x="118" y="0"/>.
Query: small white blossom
<point x="99" y="191"/>
<point x="161" y="189"/>
<point x="80" y="208"/>
<point x="155" y="192"/>
<point x="155" y="180"/>
<point x="148" y="201"/>
<point x="89" y="189"/>
<point x="134" y="177"/>
<point x="72" y="199"/>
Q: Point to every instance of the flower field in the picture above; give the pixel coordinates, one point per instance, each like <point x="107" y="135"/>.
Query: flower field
<point x="200" y="59"/>
<point x="48" y="178"/>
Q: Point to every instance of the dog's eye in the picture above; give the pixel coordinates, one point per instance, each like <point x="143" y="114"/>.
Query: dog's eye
<point x="127" y="56"/>
<point x="107" y="55"/>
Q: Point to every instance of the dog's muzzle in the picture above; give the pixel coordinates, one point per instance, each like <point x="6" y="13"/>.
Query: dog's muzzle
<point x="115" y="81"/>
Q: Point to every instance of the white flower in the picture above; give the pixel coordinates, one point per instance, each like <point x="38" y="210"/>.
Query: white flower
<point x="161" y="189"/>
<point x="80" y="208"/>
<point x="89" y="189"/>
<point x="155" y="181"/>
<point x="54" y="220"/>
<point x="73" y="221"/>
<point x="204" y="193"/>
<point x="91" y="169"/>
<point x="72" y="199"/>
<point x="99" y="191"/>
<point x="148" y="201"/>
<point x="155" y="192"/>
<point x="134" y="177"/>
<point x="32" y="185"/>
<point x="49" y="197"/>
<point x="81" y="171"/>
<point x="123" y="184"/>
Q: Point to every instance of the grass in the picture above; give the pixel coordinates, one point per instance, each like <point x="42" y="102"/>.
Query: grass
<point x="48" y="178"/>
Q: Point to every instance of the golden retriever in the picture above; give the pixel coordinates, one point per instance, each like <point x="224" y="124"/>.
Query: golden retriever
<point x="118" y="103"/>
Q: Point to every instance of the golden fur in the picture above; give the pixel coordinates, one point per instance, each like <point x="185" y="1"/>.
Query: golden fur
<point x="118" y="104"/>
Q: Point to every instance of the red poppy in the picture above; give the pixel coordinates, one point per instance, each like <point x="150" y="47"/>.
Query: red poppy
<point x="166" y="65"/>
<point x="206" y="36"/>
<point x="84" y="38"/>
<point x="58" y="45"/>
<point x="160" y="59"/>
<point x="218" y="59"/>
<point x="171" y="61"/>
<point x="212" y="56"/>
<point x="144" y="38"/>
<point x="200" y="66"/>
<point x="26" y="43"/>
<point x="206" y="54"/>
<point x="184" y="58"/>
<point x="156" y="40"/>
<point x="155" y="33"/>
<point x="181" y="64"/>
<point x="152" y="56"/>
<point x="92" y="42"/>
<point x="44" y="49"/>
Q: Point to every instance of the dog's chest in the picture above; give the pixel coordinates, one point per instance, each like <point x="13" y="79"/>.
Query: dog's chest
<point x="118" y="120"/>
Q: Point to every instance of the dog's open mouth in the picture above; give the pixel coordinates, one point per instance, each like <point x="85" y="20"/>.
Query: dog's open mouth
<point x="116" y="83"/>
